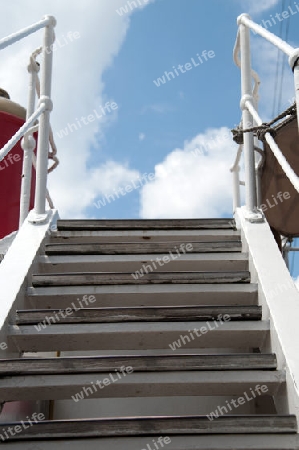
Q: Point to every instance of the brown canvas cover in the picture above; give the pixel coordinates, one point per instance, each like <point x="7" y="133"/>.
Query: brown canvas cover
<point x="280" y="201"/>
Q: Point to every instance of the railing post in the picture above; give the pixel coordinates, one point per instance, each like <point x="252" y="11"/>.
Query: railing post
<point x="296" y="78"/>
<point x="44" y="123"/>
<point x="28" y="144"/>
<point x="236" y="188"/>
<point x="246" y="75"/>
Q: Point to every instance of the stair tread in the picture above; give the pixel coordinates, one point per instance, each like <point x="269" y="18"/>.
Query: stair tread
<point x="136" y="335"/>
<point x="151" y="426"/>
<point x="252" y="441"/>
<point x="147" y="295"/>
<point x="144" y="224"/>
<point x="97" y="278"/>
<point x="125" y="383"/>
<point x="144" y="313"/>
<point x="141" y="362"/>
<point x="107" y="248"/>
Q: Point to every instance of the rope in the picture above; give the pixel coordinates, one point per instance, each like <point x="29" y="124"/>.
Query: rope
<point x="266" y="127"/>
<point x="34" y="65"/>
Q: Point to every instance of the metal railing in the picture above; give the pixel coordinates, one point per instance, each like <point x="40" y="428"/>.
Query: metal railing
<point x="250" y="116"/>
<point x="42" y="112"/>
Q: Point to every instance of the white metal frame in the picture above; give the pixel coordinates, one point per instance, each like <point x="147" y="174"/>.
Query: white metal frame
<point x="42" y="112"/>
<point x="250" y="115"/>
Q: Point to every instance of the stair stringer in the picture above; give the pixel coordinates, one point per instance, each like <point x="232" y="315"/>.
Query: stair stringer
<point x="279" y="297"/>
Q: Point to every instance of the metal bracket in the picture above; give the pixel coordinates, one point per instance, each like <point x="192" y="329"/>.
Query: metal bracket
<point x="38" y="219"/>
<point x="255" y="216"/>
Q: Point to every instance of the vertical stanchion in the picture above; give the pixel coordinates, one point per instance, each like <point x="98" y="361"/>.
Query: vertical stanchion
<point x="249" y="157"/>
<point x="28" y="145"/>
<point x="44" y="123"/>
<point x="236" y="188"/>
<point x="296" y="78"/>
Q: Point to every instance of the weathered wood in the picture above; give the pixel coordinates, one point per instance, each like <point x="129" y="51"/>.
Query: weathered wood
<point x="140" y="363"/>
<point x="250" y="441"/>
<point x="133" y="235"/>
<point x="165" y="224"/>
<point x="144" y="295"/>
<point x="137" y="336"/>
<point x="110" y="278"/>
<point x="140" y="384"/>
<point x="170" y="249"/>
<point x="158" y="426"/>
<point x="210" y="262"/>
<point x="135" y="314"/>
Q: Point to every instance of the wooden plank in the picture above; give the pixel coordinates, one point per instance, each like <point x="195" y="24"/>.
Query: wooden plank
<point x="112" y="235"/>
<point x="166" y="224"/>
<point x="140" y="384"/>
<point x="110" y="278"/>
<point x="137" y="336"/>
<point x="135" y="314"/>
<point x="141" y="362"/>
<point x="250" y="441"/>
<point x="130" y="263"/>
<point x="158" y="426"/>
<point x="144" y="295"/>
<point x="171" y="249"/>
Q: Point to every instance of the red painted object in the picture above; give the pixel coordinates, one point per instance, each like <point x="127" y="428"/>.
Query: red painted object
<point x="10" y="176"/>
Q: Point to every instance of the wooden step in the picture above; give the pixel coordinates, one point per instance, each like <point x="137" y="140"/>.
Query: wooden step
<point x="135" y="314"/>
<point x="133" y="235"/>
<point x="143" y="295"/>
<point x="171" y="250"/>
<point x="209" y="262"/>
<point x="110" y="278"/>
<point x="252" y="441"/>
<point x="157" y="426"/>
<point x="138" y="336"/>
<point x="160" y="224"/>
<point x="125" y="383"/>
<point x="139" y="363"/>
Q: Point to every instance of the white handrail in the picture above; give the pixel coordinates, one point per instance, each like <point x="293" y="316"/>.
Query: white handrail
<point x="28" y="142"/>
<point x="14" y="37"/>
<point x="251" y="116"/>
<point x="22" y="131"/>
<point x="245" y="19"/>
<point x="44" y="131"/>
<point x="246" y="71"/>
<point x="292" y="176"/>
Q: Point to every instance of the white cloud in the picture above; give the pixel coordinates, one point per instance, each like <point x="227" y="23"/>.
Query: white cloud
<point x="194" y="181"/>
<point x="77" y="88"/>
<point x="100" y="181"/>
<point x="141" y="136"/>
<point x="259" y="6"/>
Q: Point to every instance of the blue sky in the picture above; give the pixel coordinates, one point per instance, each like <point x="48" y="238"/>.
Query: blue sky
<point x="153" y="130"/>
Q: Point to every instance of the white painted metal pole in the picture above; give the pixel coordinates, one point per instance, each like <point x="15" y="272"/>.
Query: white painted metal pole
<point x="21" y="132"/>
<point x="296" y="78"/>
<point x="12" y="38"/>
<point x="236" y="188"/>
<point x="290" y="173"/>
<point x="28" y="145"/>
<point x="44" y="123"/>
<point x="249" y="157"/>
<point x="245" y="19"/>
<point x="259" y="188"/>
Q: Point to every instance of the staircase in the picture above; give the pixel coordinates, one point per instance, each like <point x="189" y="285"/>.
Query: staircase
<point x="144" y="334"/>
